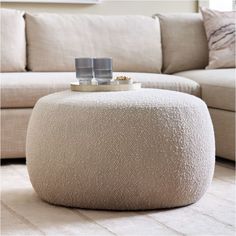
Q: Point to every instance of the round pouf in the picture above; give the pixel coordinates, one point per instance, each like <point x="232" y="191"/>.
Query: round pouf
<point x="130" y="150"/>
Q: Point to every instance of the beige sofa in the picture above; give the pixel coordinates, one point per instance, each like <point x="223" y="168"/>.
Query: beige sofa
<point x="38" y="51"/>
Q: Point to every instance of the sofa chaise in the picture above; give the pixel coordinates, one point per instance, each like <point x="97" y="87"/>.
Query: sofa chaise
<point x="168" y="51"/>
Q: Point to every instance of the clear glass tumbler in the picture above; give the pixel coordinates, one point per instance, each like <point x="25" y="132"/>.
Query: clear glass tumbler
<point x="84" y="70"/>
<point x="103" y="70"/>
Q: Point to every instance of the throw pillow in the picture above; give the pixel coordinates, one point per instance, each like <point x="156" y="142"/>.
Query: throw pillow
<point x="220" y="31"/>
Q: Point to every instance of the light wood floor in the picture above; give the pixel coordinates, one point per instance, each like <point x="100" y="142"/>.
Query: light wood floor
<point x="23" y="213"/>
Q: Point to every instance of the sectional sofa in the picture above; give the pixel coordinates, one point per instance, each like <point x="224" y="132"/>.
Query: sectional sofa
<point x="167" y="51"/>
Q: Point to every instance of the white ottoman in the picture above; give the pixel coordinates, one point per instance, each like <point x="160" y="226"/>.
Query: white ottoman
<point x="130" y="150"/>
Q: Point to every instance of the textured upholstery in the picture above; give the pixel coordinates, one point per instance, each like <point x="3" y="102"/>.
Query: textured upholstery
<point x="217" y="86"/>
<point x="24" y="89"/>
<point x="14" y="124"/>
<point x="141" y="149"/>
<point x="13" y="43"/>
<point x="184" y="42"/>
<point x="55" y="40"/>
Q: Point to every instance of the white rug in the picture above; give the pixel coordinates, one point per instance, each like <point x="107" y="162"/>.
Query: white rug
<point x="23" y="213"/>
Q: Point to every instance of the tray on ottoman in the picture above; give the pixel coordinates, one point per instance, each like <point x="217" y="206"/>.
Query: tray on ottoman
<point x="75" y="86"/>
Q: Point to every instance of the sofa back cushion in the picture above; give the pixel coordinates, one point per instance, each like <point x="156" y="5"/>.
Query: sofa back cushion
<point x="13" y="43"/>
<point x="55" y="40"/>
<point x="184" y="42"/>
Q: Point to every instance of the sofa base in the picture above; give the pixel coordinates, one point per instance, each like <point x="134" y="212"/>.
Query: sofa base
<point x="224" y="127"/>
<point x="14" y="124"/>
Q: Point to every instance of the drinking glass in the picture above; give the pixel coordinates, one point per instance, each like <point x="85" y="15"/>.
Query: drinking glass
<point x="103" y="70"/>
<point x="84" y="70"/>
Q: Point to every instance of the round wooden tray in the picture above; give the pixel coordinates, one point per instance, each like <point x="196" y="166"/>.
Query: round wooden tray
<point x="108" y="87"/>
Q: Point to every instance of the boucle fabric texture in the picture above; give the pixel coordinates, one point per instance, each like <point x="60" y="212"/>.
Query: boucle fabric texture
<point x="13" y="42"/>
<point x="130" y="150"/>
<point x="55" y="40"/>
<point x="220" y="30"/>
<point x="184" y="42"/>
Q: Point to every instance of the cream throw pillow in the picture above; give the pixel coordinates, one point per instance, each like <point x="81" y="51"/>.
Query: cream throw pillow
<point x="220" y="30"/>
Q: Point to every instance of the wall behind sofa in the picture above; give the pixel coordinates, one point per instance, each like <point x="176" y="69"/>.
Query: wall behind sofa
<point x="119" y="7"/>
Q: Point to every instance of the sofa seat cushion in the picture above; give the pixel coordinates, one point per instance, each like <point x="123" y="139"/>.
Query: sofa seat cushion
<point x="24" y="89"/>
<point x="217" y="86"/>
<point x="162" y="81"/>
